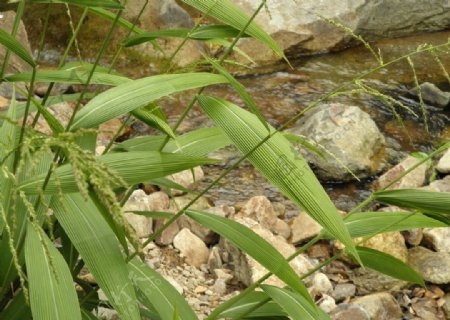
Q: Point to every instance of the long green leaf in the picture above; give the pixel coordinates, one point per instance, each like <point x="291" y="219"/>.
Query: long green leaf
<point x="201" y="33"/>
<point x="280" y="163"/>
<point x="255" y="246"/>
<point x="108" y="15"/>
<point x="370" y="223"/>
<point x="153" y="120"/>
<point x="195" y="143"/>
<point x="16" y="309"/>
<point x="70" y="76"/>
<point x="52" y="292"/>
<point x="389" y="265"/>
<point x="15" y="46"/>
<point x="423" y="200"/>
<point x="294" y="304"/>
<point x="99" y="248"/>
<point x="112" y="4"/>
<point x="229" y="13"/>
<point x="161" y="294"/>
<point x="133" y="167"/>
<point x="138" y="93"/>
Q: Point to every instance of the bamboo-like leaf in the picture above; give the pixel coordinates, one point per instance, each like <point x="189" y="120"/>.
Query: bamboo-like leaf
<point x="133" y="167"/>
<point x="294" y="304"/>
<point x="154" y="214"/>
<point x="70" y="76"/>
<point x="52" y="292"/>
<point x="201" y="33"/>
<point x="423" y="200"/>
<point x="389" y="265"/>
<point x="255" y="246"/>
<point x="226" y="44"/>
<point x="196" y="143"/>
<point x="16" y="47"/>
<point x="162" y="295"/>
<point x="245" y="306"/>
<point x="240" y="89"/>
<point x="280" y="163"/>
<point x="370" y="223"/>
<point x="168" y="184"/>
<point x="152" y="120"/>
<point x="138" y="93"/>
<point x="229" y="13"/>
<point x="99" y="248"/>
<point x="112" y="4"/>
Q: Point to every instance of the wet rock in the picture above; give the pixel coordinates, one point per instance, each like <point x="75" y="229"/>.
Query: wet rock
<point x="191" y="247"/>
<point x="439" y="238"/>
<point x="186" y="178"/>
<point x="443" y="165"/>
<point x="247" y="270"/>
<point x="374" y="281"/>
<point x="349" y="312"/>
<point x="299" y="31"/>
<point x="380" y="306"/>
<point x="414" y="179"/>
<point x="138" y="201"/>
<point x="343" y="290"/>
<point x="303" y="227"/>
<point x="433" y="266"/>
<point x="432" y="95"/>
<point x="349" y="134"/>
<point x="261" y="209"/>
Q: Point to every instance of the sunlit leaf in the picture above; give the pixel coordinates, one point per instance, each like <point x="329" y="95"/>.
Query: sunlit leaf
<point x="16" y="47"/>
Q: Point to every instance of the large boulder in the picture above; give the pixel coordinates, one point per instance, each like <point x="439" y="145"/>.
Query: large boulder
<point x="299" y="29"/>
<point x="349" y="134"/>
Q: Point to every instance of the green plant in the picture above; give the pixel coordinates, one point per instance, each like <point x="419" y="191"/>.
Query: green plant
<point x="61" y="204"/>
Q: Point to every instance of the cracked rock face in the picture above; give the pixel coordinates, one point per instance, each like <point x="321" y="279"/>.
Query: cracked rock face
<point x="297" y="28"/>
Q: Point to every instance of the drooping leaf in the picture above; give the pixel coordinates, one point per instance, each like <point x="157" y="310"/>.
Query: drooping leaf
<point x="195" y="143"/>
<point x="389" y="265"/>
<point x="153" y="120"/>
<point x="133" y="167"/>
<point x="240" y="89"/>
<point x="70" y="76"/>
<point x="294" y="304"/>
<point x="16" y="47"/>
<point x="279" y="162"/>
<point x="163" y="296"/>
<point x="112" y="4"/>
<point x="111" y="16"/>
<point x="201" y="33"/>
<point x="370" y="223"/>
<point x="52" y="293"/>
<point x="154" y="214"/>
<point x="423" y="200"/>
<point x="99" y="248"/>
<point x="16" y="309"/>
<point x="229" y="13"/>
<point x="255" y="246"/>
<point x="134" y="94"/>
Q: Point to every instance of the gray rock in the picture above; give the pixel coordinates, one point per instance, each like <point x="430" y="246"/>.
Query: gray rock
<point x="431" y="94"/>
<point x="299" y="30"/>
<point x="349" y="312"/>
<point x="413" y="179"/>
<point x="343" y="290"/>
<point x="214" y="259"/>
<point x="191" y="247"/>
<point x="439" y="238"/>
<point x="443" y="165"/>
<point x="303" y="227"/>
<point x="349" y="134"/>
<point x="433" y="266"/>
<point x="320" y="284"/>
<point x="380" y="306"/>
<point x="442" y="185"/>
